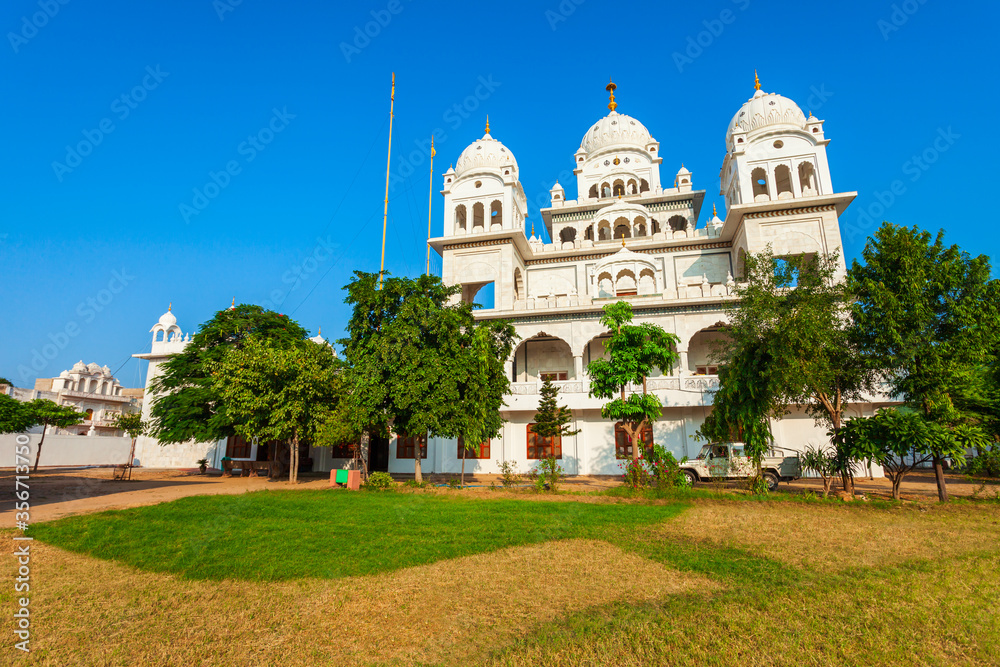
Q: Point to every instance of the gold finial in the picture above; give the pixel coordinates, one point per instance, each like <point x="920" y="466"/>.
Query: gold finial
<point x="623" y="241"/>
<point x="714" y="214"/>
<point x="170" y="306"/>
<point x="234" y="302"/>
<point x="319" y="332"/>
<point x="756" y="81"/>
<point x="487" y="123"/>
<point x="532" y="228"/>
<point x="611" y="88"/>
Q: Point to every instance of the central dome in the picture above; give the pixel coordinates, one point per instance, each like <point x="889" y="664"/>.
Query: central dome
<point x="616" y="129"/>
<point x="487" y="153"/>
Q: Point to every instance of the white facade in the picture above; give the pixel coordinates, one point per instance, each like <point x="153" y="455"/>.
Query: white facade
<point x="628" y="236"/>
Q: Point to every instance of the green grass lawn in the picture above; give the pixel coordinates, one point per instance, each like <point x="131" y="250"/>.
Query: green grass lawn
<point x="278" y="535"/>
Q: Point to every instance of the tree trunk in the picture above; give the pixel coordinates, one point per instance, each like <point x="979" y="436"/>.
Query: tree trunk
<point x="38" y="452"/>
<point x="462" y="483"/>
<point x="827" y="483"/>
<point x="293" y="460"/>
<point x="897" y="481"/>
<point x="942" y="487"/>
<point x="416" y="465"/>
<point x="131" y="453"/>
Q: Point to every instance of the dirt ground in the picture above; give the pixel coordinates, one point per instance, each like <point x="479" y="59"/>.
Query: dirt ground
<point x="59" y="492"/>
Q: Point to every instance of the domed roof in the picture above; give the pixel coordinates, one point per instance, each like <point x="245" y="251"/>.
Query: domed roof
<point x="620" y="206"/>
<point x="624" y="255"/>
<point x="487" y="153"/>
<point x="167" y="319"/>
<point x="93" y="367"/>
<point x="79" y="366"/>
<point x="616" y="129"/>
<point x="766" y="109"/>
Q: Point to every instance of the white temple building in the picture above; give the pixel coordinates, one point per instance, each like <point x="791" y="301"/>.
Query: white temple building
<point x="627" y="235"/>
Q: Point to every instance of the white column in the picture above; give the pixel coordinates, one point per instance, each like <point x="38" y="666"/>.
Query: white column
<point x="683" y="369"/>
<point x="578" y="367"/>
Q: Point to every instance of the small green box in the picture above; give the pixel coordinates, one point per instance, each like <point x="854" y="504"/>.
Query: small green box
<point x="341" y="477"/>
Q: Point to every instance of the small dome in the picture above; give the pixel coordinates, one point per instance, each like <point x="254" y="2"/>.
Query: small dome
<point x="79" y="366"/>
<point x="616" y="129"/>
<point x="167" y="319"/>
<point x="683" y="171"/>
<point x="93" y="367"/>
<point x="557" y="187"/>
<point x="487" y="153"/>
<point x="625" y="255"/>
<point x="765" y="110"/>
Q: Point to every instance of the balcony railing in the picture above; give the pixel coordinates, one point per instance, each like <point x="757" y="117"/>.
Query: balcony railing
<point x="670" y="383"/>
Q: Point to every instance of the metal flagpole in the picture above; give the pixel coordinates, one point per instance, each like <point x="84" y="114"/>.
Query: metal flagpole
<point x="430" y="201"/>
<point x="388" y="161"/>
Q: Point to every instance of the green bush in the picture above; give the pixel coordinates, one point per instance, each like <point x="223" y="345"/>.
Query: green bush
<point x="508" y="474"/>
<point x="379" y="481"/>
<point x="986" y="464"/>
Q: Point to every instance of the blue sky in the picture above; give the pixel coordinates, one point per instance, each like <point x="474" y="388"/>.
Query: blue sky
<point x="196" y="151"/>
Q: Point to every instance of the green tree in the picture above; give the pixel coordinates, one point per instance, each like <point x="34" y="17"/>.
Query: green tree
<point x="927" y="316"/>
<point x="46" y="413"/>
<point x="14" y="417"/>
<point x="420" y="364"/>
<point x="186" y="403"/>
<point x="789" y="342"/>
<point x="131" y="423"/>
<point x="482" y="384"/>
<point x="634" y="350"/>
<point x="552" y="420"/>
<point x="279" y="393"/>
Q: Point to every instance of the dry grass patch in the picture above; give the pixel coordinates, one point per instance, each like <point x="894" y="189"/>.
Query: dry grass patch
<point x="89" y="611"/>
<point x="823" y="536"/>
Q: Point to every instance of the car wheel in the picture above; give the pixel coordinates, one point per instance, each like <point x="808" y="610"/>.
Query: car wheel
<point x="691" y="477"/>
<point x="771" y="480"/>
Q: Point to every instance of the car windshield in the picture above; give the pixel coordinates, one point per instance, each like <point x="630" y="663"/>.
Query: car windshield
<point x="705" y="452"/>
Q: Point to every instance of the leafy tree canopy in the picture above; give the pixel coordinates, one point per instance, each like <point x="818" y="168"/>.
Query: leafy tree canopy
<point x="187" y="405"/>
<point x="278" y="393"/>
<point x="14" y="417"/>
<point x="634" y="351"/>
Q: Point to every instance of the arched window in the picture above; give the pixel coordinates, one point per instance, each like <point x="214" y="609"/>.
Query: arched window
<point x="643" y="186"/>
<point x="588" y="234"/>
<point x="605" y="189"/>
<point x="807" y="178"/>
<point x="633" y="188"/>
<point x="783" y="180"/>
<point x="518" y="284"/>
<point x="678" y="223"/>
<point x="593" y="191"/>
<point x="622" y="230"/>
<point x="623" y="446"/>
<point x="460" y="214"/>
<point x="759" y="178"/>
<point x="478" y="215"/>
<point x="619" y="189"/>
<point x="647" y="282"/>
<point x="160" y="336"/>
<point x="605" y="286"/>
<point x="655" y="225"/>
<point x="604" y="231"/>
<point x="567" y="235"/>
<point x="496" y="213"/>
<point x="90" y="415"/>
<point x="639" y="226"/>
<point x="625" y="284"/>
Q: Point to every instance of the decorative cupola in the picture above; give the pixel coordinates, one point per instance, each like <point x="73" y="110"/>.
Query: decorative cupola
<point x="683" y="180"/>
<point x="557" y="194"/>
